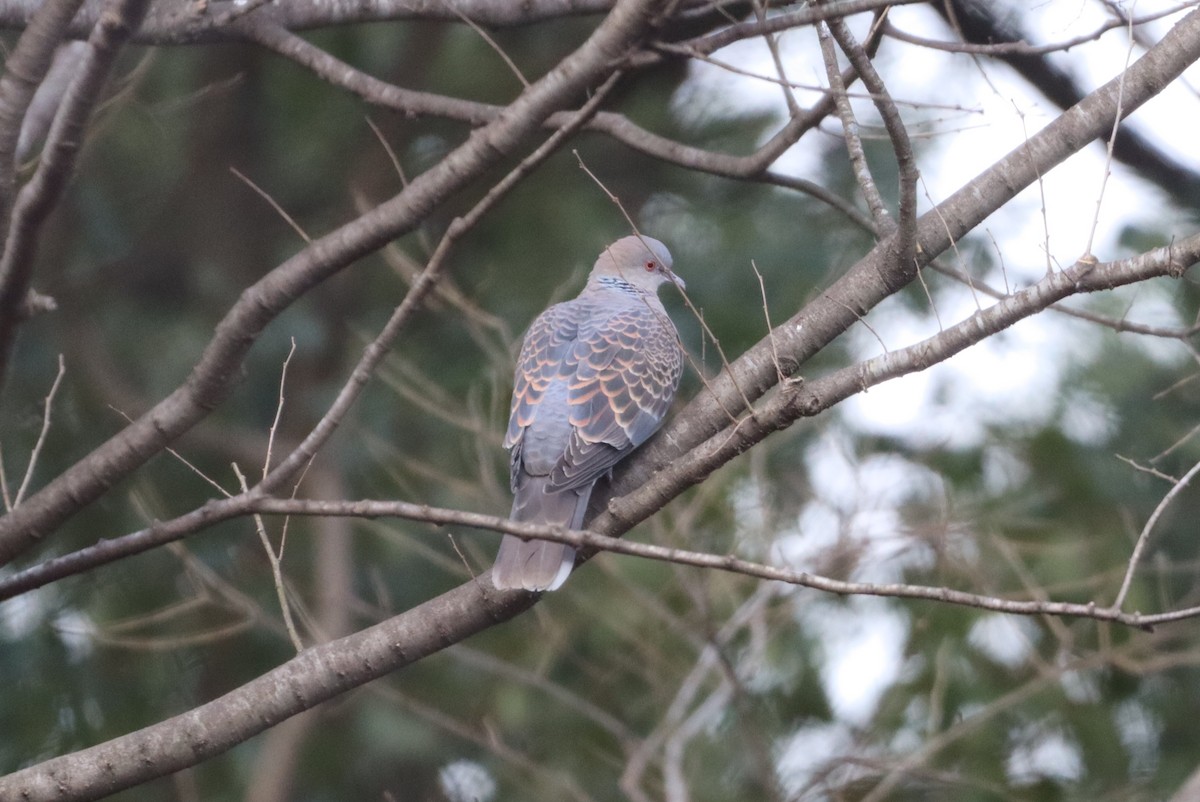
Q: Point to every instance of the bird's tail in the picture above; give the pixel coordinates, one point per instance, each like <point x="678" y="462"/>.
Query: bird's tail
<point x="539" y="564"/>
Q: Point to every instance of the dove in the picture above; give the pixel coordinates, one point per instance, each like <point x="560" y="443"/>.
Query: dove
<point x="594" y="379"/>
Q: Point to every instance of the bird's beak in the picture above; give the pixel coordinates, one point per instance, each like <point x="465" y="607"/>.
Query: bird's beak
<point x="680" y="283"/>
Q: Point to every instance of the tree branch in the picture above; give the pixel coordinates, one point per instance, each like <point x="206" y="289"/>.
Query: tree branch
<point x="176" y="23"/>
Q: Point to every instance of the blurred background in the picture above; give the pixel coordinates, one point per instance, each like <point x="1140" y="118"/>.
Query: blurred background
<point x="1005" y="471"/>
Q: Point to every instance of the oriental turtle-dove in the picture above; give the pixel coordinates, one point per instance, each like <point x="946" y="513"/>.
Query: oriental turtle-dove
<point x="594" y="379"/>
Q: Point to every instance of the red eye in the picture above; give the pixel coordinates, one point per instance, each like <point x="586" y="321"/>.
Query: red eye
<point x="650" y="267"/>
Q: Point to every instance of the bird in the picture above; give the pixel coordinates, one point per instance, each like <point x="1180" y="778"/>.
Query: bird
<point x="594" y="379"/>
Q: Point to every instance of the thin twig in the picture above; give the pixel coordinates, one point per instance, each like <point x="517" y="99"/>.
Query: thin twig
<point x="278" y="409"/>
<point x="276" y="559"/>
<point x="762" y="288"/>
<point x="1144" y="536"/>
<point x="4" y="483"/>
<point x="276" y="562"/>
<point x="760" y="12"/>
<point x="182" y="459"/>
<point x="1112" y="142"/>
<point x="37" y="447"/>
<point x="493" y="44"/>
<point x="287" y="218"/>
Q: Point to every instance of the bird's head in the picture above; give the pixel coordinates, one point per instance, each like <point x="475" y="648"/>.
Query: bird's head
<point x="639" y="260"/>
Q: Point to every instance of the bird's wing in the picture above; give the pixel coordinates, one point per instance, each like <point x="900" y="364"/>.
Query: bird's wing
<point x="625" y="368"/>
<point x="544" y="353"/>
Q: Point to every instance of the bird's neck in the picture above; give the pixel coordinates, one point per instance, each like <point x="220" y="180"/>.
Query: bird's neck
<point x="619" y="284"/>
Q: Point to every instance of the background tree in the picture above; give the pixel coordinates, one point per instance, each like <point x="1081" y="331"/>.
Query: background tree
<point x="258" y="300"/>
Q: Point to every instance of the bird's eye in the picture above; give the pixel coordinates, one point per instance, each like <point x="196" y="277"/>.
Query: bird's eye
<point x="650" y="266"/>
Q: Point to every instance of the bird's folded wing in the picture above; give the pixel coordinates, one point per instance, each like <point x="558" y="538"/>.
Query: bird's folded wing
<point x="625" y="374"/>
<point x="546" y="349"/>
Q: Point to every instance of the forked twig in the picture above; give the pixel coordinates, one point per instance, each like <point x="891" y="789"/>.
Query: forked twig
<point x="850" y="133"/>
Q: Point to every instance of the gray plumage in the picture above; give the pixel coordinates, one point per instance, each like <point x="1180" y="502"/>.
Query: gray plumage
<point x="594" y="379"/>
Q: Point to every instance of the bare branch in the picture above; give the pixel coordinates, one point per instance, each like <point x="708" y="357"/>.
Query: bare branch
<point x="791" y="19"/>
<point x="41" y="441"/>
<point x="1024" y="48"/>
<point x="170" y="23"/>
<point x="753" y="166"/>
<point x="595" y="541"/>
<point x="1144" y="536"/>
